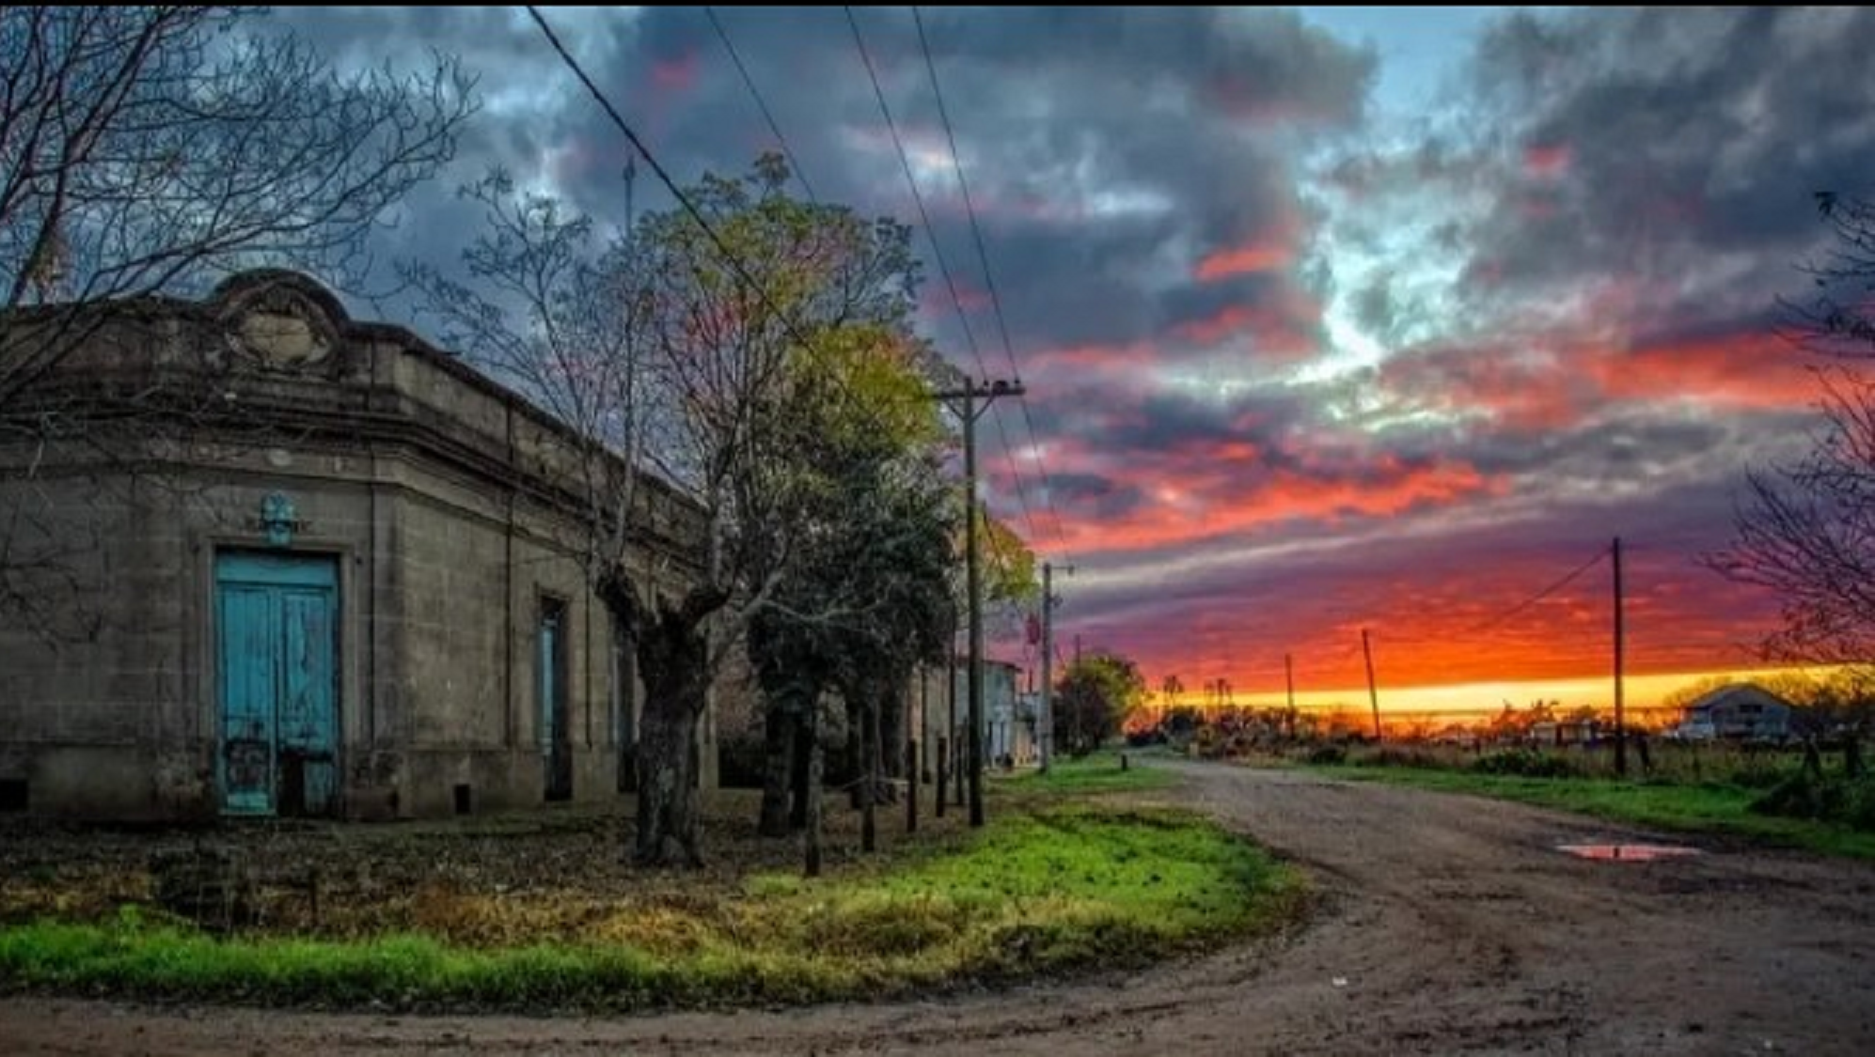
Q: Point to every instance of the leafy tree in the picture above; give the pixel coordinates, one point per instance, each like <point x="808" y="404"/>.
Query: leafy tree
<point x="684" y="350"/>
<point x="728" y="352"/>
<point x="1581" y="715"/>
<point x="869" y="598"/>
<point x="1009" y="565"/>
<point x="1180" y="721"/>
<point x="148" y="151"/>
<point x="1098" y="693"/>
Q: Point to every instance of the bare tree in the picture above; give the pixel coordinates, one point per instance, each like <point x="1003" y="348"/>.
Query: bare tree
<point x="1806" y="529"/>
<point x="147" y="151"/>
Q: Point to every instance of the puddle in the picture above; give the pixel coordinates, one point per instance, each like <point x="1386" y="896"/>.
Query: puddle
<point x="1627" y="852"/>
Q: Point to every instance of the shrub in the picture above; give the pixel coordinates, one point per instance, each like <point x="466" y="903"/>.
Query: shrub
<point x="1846" y="801"/>
<point x="1327" y="755"/>
<point x="1526" y="763"/>
<point x="1394" y="756"/>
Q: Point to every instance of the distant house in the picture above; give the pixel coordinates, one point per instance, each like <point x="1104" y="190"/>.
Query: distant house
<point x="1737" y="710"/>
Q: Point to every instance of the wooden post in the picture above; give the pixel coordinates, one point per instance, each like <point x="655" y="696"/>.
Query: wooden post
<point x="1373" y="695"/>
<point x="869" y="777"/>
<point x="1621" y="723"/>
<point x="943" y="765"/>
<point x="911" y="786"/>
<point x="961" y="760"/>
<point x="816" y="767"/>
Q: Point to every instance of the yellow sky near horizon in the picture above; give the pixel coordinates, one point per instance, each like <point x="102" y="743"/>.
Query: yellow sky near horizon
<point x="1639" y="692"/>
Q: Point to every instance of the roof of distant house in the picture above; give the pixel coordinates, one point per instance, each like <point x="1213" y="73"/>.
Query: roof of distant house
<point x="1733" y="691"/>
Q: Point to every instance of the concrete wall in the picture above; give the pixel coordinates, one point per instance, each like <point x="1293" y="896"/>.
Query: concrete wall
<point x="93" y="688"/>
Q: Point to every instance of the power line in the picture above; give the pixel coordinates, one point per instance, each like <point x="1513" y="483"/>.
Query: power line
<point x="1565" y="581"/>
<point x="937" y="253"/>
<point x="989" y="278"/>
<point x="761" y="104"/>
<point x="1517" y="608"/>
<point x="1355" y="648"/>
<point x="683" y="200"/>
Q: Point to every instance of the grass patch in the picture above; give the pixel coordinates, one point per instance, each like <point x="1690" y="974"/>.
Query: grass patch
<point x="1697" y="808"/>
<point x="1095" y="773"/>
<point x="1064" y="888"/>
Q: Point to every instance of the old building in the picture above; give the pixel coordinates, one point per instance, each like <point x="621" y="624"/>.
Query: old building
<point x="269" y="560"/>
<point x="940" y="708"/>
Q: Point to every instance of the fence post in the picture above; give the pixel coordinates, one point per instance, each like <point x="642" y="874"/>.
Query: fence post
<point x="943" y="772"/>
<point x="911" y="786"/>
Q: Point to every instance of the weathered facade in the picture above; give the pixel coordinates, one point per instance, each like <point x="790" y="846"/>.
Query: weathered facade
<point x="298" y="564"/>
<point x="938" y="710"/>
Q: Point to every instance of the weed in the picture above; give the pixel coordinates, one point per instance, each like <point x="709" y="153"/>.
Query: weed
<point x="1061" y="888"/>
<point x="1711" y="807"/>
<point x="1846" y="801"/>
<point x="1525" y="763"/>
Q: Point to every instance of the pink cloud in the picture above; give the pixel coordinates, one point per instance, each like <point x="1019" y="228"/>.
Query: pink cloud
<point x="1547" y="160"/>
<point x="1249" y="259"/>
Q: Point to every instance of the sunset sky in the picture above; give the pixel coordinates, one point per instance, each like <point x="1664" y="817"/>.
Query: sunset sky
<point x="1330" y="320"/>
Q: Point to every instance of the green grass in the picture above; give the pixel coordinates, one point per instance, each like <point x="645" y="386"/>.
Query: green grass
<point x="1065" y="888"/>
<point x="1095" y="773"/>
<point x="1697" y="808"/>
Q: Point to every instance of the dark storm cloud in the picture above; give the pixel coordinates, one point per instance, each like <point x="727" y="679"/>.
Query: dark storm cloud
<point x="1109" y="150"/>
<point x="1095" y="495"/>
<point x="1664" y="137"/>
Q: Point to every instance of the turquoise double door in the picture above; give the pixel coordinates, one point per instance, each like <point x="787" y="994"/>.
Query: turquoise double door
<point x="277" y="662"/>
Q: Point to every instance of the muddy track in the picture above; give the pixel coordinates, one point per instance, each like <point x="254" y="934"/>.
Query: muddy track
<point x="1446" y="924"/>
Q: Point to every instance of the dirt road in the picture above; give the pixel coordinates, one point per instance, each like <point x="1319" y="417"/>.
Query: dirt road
<point x="1448" y="925"/>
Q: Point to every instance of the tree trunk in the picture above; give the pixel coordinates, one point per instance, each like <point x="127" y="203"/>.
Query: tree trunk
<point x="892" y="728"/>
<point x="673" y="657"/>
<point x="869" y="773"/>
<point x="855" y="743"/>
<point x="672" y="647"/>
<point x="780" y="731"/>
<point x="667" y="788"/>
<point x="811" y="802"/>
<point x="808" y="730"/>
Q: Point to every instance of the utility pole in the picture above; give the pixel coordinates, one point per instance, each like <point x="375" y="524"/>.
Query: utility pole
<point x="1046" y="739"/>
<point x="1373" y="695"/>
<point x="1289" y="681"/>
<point x="969" y="403"/>
<point x="1621" y="729"/>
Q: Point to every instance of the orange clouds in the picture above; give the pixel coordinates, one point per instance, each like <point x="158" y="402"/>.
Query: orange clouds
<point x="1553" y="385"/>
<point x="1749" y="370"/>
<point x="1224" y="489"/>
<point x="1283" y="324"/>
<point x="1254" y="258"/>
